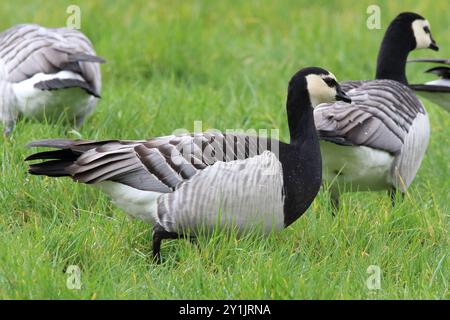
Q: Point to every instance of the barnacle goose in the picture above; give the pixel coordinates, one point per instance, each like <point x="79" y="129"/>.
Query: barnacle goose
<point x="183" y="184"/>
<point x="47" y="74"/>
<point x="378" y="141"/>
<point x="437" y="91"/>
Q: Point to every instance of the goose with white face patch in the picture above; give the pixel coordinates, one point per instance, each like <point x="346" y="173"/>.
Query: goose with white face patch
<point x="192" y="183"/>
<point x="378" y="141"/>
<point x="436" y="91"/>
<point x="47" y="74"/>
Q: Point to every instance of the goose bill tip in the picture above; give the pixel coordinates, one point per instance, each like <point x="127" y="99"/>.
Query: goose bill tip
<point x="433" y="46"/>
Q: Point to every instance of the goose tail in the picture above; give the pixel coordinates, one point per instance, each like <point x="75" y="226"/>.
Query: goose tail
<point x="432" y="60"/>
<point x="57" y="163"/>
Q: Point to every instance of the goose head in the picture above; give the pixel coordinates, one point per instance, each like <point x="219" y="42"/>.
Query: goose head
<point x="318" y="85"/>
<point x="407" y="32"/>
<point x="308" y="88"/>
<point x="416" y="29"/>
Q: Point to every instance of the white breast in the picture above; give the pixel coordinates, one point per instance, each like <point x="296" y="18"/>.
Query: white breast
<point x="356" y="168"/>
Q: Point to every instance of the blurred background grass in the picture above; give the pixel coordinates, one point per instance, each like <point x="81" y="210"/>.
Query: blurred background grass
<point x="227" y="64"/>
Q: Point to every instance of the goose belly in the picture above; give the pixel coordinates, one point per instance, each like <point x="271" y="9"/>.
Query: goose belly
<point x="138" y="204"/>
<point x="51" y="104"/>
<point x="356" y="168"/>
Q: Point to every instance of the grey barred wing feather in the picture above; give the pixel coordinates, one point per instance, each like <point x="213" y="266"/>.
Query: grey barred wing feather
<point x="352" y="84"/>
<point x="241" y="193"/>
<point x="380" y="116"/>
<point x="413" y="150"/>
<point x="384" y="115"/>
<point x="203" y="149"/>
<point x="127" y="162"/>
<point x="26" y="50"/>
<point x="160" y="164"/>
<point x="181" y="182"/>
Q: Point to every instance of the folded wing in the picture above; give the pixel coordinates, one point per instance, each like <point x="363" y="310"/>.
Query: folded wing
<point x="160" y="164"/>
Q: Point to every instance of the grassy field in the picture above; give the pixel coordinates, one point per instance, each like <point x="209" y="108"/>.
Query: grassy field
<point x="226" y="63"/>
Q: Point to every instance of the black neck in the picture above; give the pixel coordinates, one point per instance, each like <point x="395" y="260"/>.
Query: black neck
<point x="300" y="118"/>
<point x="301" y="159"/>
<point x="393" y="54"/>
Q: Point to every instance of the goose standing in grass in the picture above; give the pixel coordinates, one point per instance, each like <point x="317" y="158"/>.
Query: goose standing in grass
<point x="378" y="141"/>
<point x="47" y="74"/>
<point x="188" y="183"/>
<point x="437" y="91"/>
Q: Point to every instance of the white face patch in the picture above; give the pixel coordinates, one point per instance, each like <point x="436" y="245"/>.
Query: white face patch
<point x="319" y="91"/>
<point x="423" y="39"/>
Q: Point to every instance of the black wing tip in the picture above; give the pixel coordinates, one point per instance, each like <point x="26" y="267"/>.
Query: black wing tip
<point x="34" y="156"/>
<point x="58" y="154"/>
<point x="441" y="71"/>
<point x="429" y="88"/>
<point x="100" y="59"/>
<point x="432" y="60"/>
<point x="49" y="168"/>
<point x="57" y="84"/>
<point x="85" y="57"/>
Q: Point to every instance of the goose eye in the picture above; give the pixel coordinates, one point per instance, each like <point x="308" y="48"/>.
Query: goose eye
<point x="426" y="29"/>
<point x="330" y="82"/>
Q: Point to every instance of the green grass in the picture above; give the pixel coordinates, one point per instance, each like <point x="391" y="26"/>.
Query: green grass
<point x="227" y="64"/>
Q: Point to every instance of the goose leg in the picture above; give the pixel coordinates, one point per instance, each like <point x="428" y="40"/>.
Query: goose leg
<point x="392" y="194"/>
<point x="8" y="128"/>
<point x="79" y="120"/>
<point x="160" y="234"/>
<point x="334" y="200"/>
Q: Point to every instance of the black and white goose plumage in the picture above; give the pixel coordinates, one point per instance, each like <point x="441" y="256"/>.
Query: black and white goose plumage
<point x="188" y="183"/>
<point x="379" y="140"/>
<point x="436" y="91"/>
<point x="47" y="73"/>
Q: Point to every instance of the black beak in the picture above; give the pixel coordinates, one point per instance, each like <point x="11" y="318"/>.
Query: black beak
<point x="433" y="45"/>
<point x="341" y="95"/>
